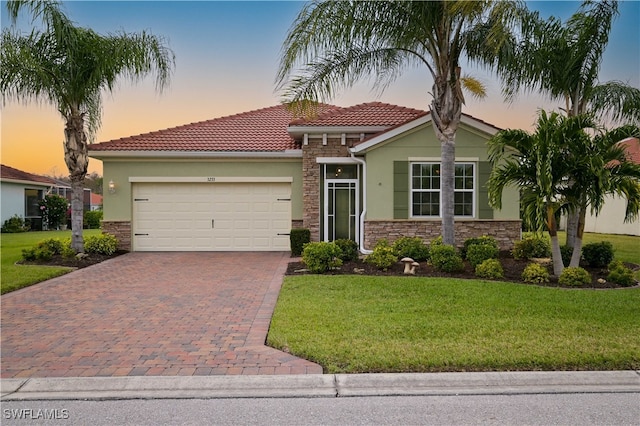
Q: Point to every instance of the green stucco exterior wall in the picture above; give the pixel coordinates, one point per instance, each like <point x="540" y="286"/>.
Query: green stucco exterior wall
<point x="117" y="206"/>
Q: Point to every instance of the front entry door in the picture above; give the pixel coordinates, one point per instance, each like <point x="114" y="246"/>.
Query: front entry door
<point x="341" y="209"/>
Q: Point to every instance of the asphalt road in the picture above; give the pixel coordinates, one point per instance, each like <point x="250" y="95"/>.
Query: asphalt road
<point x="535" y="409"/>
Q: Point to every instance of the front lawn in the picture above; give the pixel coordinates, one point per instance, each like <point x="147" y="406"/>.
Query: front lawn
<point x="356" y="324"/>
<point x="625" y="247"/>
<point x="18" y="276"/>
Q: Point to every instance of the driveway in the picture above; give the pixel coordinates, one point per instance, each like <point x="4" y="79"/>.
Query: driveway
<point x="150" y="314"/>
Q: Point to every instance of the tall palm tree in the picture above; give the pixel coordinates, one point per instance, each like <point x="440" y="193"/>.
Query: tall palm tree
<point x="599" y="167"/>
<point x="563" y="59"/>
<point x="337" y="43"/>
<point x="538" y="164"/>
<point x="70" y="67"/>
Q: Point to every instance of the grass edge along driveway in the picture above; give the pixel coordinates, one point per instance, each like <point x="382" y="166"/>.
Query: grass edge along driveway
<point x="14" y="277"/>
<point x="358" y="324"/>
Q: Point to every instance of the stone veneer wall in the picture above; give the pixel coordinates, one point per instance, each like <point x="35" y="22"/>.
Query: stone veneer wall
<point x="311" y="179"/>
<point x="122" y="231"/>
<point x="295" y="224"/>
<point x="504" y="231"/>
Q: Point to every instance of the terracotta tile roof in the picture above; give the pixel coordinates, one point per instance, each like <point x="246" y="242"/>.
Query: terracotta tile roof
<point x="96" y="199"/>
<point x="10" y="173"/>
<point x="632" y="145"/>
<point x="260" y="130"/>
<point x="375" y="114"/>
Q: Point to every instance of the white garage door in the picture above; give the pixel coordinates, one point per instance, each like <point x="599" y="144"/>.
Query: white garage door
<point x="211" y="216"/>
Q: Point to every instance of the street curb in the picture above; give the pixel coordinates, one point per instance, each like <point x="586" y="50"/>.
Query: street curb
<point x="319" y="385"/>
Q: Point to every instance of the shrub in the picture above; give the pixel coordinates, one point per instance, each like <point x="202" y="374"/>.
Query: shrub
<point x="321" y="256"/>
<point x="54" y="210"/>
<point x="412" y="247"/>
<point x="620" y="274"/>
<point x="93" y="219"/>
<point x="531" y="247"/>
<point x="535" y="273"/>
<point x="446" y="258"/>
<point x="14" y="225"/>
<point x="44" y="250"/>
<point x="598" y="255"/>
<point x="485" y="239"/>
<point x="478" y="253"/>
<point x="574" y="276"/>
<point x="383" y="256"/>
<point x="566" y="253"/>
<point x="436" y="242"/>
<point x="106" y="244"/>
<point x="298" y="237"/>
<point x="349" y="249"/>
<point x="490" y="269"/>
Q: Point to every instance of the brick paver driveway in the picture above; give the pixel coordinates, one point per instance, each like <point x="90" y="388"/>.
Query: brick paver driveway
<point x="150" y="314"/>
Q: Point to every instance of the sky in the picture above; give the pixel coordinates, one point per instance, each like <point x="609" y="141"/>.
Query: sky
<point x="227" y="55"/>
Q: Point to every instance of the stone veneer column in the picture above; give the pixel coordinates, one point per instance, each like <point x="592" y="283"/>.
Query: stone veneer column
<point x="121" y="230"/>
<point x="311" y="179"/>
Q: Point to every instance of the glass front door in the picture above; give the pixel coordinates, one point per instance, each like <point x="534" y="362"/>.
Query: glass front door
<point x="341" y="209"/>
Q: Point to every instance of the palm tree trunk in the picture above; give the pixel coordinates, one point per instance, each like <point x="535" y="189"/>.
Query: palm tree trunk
<point x="447" y="180"/>
<point x="577" y="248"/>
<point x="77" y="160"/>
<point x="556" y="254"/>
<point x="572" y="228"/>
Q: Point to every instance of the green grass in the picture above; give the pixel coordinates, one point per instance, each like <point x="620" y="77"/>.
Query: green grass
<point x="14" y="277"/>
<point x="355" y="324"/>
<point x="626" y="247"/>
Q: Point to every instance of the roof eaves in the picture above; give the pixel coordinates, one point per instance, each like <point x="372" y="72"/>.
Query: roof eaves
<point x="289" y="153"/>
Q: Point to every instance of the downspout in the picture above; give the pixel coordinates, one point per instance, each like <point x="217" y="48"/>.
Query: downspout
<point x="363" y="250"/>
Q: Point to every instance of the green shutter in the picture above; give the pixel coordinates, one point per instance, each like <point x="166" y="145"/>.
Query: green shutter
<point x="400" y="190"/>
<point x="484" y="210"/>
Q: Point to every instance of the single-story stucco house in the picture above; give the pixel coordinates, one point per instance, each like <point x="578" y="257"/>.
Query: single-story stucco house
<point x="21" y="193"/>
<point x="610" y="220"/>
<point x="242" y="182"/>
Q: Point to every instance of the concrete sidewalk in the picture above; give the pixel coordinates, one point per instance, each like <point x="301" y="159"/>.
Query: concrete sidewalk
<point x="320" y="385"/>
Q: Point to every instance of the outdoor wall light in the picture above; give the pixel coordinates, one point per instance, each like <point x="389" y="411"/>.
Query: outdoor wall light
<point x="112" y="187"/>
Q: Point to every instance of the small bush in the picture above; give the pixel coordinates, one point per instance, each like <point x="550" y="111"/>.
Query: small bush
<point x="412" y="247"/>
<point x="321" y="256"/>
<point x="531" y="247"/>
<point x="436" y="242"/>
<point x="93" y="219"/>
<point x="490" y="269"/>
<point x="566" y="253"/>
<point x="383" y="256"/>
<point x="14" y="225"/>
<point x="620" y="274"/>
<point x="535" y="273"/>
<point x="598" y="255"/>
<point x="485" y="239"/>
<point x="349" y="249"/>
<point x="106" y="244"/>
<point x="478" y="253"/>
<point x="44" y="250"/>
<point x="446" y="258"/>
<point x="574" y="276"/>
<point x="298" y="237"/>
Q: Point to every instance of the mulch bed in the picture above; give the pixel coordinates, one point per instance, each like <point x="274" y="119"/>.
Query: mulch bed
<point x="512" y="272"/>
<point x="73" y="262"/>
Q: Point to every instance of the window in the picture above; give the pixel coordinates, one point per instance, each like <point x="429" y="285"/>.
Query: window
<point x="425" y="190"/>
<point x="32" y="198"/>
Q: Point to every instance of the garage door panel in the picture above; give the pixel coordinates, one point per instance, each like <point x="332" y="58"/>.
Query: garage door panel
<point x="178" y="216"/>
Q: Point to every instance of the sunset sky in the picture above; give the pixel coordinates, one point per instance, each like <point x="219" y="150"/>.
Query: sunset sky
<point x="226" y="60"/>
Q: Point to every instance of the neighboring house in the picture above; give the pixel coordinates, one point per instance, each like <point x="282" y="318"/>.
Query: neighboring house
<point x="63" y="189"/>
<point x="96" y="202"/>
<point x="242" y="182"/>
<point x="611" y="217"/>
<point x="20" y="194"/>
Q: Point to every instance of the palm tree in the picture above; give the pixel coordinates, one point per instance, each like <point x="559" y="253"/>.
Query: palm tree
<point x="338" y="43"/>
<point x="69" y="67"/>
<point x="599" y="167"/>
<point x="563" y="60"/>
<point x="537" y="163"/>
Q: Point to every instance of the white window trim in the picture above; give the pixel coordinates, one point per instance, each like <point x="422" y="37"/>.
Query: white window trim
<point x="474" y="206"/>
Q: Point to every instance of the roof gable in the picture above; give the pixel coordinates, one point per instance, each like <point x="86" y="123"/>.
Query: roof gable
<point x="372" y="114"/>
<point x="10" y="173"/>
